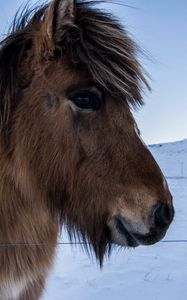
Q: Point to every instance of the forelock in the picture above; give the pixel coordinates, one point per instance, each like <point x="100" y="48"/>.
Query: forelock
<point x="99" y="45"/>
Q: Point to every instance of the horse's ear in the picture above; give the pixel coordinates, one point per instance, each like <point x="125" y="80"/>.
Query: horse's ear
<point x="59" y="16"/>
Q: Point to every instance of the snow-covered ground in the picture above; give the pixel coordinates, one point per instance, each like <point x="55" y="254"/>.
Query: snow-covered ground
<point x="172" y="157"/>
<point x="158" y="272"/>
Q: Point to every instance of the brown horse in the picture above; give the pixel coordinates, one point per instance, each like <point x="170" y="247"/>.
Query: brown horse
<point x="70" y="150"/>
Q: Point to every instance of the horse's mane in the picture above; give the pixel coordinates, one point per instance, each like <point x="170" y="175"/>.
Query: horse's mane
<point x="98" y="45"/>
<point x="12" y="51"/>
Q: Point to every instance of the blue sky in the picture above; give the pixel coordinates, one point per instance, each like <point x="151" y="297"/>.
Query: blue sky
<point x="160" y="28"/>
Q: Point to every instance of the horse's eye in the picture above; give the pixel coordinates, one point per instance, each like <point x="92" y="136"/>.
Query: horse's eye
<point x="87" y="99"/>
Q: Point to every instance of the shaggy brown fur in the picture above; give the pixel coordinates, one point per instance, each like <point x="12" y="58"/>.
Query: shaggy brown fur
<point x="60" y="164"/>
<point x="111" y="64"/>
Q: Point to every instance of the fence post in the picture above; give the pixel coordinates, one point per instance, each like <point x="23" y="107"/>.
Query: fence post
<point x="182" y="169"/>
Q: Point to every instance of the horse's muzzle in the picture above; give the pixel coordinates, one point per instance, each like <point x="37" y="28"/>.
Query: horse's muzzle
<point x="129" y="234"/>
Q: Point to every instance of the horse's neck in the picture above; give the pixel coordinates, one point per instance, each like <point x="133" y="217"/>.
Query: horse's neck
<point x="24" y="219"/>
<point x="14" y="181"/>
<point x="22" y="208"/>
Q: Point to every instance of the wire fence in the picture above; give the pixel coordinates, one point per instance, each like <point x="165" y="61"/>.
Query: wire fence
<point x="5" y="245"/>
<point x="177" y="170"/>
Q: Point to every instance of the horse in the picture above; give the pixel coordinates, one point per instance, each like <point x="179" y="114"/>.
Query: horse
<point x="71" y="153"/>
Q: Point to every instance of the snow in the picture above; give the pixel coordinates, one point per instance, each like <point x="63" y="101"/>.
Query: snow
<point x="172" y="157"/>
<point x="158" y="272"/>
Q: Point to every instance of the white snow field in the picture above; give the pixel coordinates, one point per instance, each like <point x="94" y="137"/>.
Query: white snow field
<point x="156" y="272"/>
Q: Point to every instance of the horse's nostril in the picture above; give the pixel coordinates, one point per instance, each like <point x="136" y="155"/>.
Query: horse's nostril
<point x="162" y="216"/>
